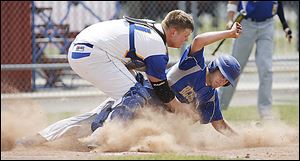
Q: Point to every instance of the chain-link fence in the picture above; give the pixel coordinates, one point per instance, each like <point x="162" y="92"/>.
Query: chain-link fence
<point x="35" y="36"/>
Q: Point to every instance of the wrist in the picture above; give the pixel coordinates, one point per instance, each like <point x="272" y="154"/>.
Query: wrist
<point x="285" y="26"/>
<point x="229" y="33"/>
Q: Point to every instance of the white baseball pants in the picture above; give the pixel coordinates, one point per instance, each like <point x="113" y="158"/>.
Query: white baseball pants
<point x="79" y="126"/>
<point x="99" y="67"/>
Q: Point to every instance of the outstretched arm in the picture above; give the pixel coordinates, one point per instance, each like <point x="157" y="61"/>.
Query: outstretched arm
<point x="172" y="102"/>
<point x="223" y="127"/>
<point x="207" y="38"/>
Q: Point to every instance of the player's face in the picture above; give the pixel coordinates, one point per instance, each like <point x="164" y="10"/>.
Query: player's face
<point x="218" y="80"/>
<point x="178" y="37"/>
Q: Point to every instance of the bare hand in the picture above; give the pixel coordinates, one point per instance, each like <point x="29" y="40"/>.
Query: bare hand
<point x="288" y="34"/>
<point x="236" y="30"/>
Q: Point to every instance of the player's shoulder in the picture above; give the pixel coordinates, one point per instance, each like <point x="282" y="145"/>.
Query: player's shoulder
<point x="151" y="48"/>
<point x="151" y="37"/>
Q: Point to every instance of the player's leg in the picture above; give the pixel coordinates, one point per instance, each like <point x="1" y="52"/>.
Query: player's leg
<point x="124" y="109"/>
<point x="78" y="126"/>
<point x="264" y="52"/>
<point x="241" y="50"/>
<point x="105" y="72"/>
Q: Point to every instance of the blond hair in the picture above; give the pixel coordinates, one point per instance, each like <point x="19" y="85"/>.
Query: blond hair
<point x="179" y="20"/>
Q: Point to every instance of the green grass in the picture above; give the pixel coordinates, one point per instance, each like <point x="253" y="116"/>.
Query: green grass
<point x="288" y="113"/>
<point x="163" y="156"/>
<point x="54" y="117"/>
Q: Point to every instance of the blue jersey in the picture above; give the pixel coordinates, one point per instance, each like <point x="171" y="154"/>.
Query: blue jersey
<point x="187" y="79"/>
<point x="259" y="10"/>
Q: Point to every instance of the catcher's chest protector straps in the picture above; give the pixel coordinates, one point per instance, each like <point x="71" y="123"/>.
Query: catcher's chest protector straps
<point x="148" y="23"/>
<point x="135" y="62"/>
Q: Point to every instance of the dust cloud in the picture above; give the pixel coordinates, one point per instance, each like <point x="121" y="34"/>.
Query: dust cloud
<point x="151" y="131"/>
<point x="167" y="132"/>
<point x="19" y="119"/>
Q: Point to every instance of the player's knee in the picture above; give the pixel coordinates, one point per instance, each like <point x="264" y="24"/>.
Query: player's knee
<point x="136" y="98"/>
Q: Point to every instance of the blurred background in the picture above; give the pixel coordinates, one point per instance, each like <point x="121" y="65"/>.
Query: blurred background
<point x="35" y="36"/>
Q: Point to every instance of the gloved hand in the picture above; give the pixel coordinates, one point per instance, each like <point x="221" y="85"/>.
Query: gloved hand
<point x="288" y="34"/>
<point x="140" y="78"/>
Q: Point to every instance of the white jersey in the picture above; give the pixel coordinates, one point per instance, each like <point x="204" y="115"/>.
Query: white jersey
<point x="113" y="36"/>
<point x="102" y="54"/>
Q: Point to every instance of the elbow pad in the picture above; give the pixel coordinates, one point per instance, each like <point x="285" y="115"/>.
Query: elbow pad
<point x="163" y="91"/>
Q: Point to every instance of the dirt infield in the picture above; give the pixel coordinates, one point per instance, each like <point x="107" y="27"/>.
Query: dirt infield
<point x="287" y="152"/>
<point x="149" y="133"/>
